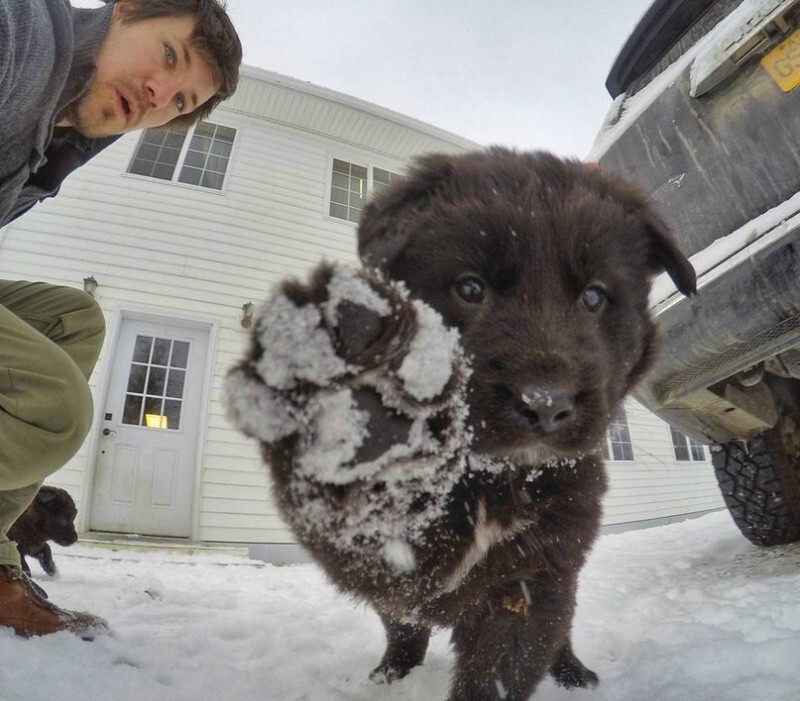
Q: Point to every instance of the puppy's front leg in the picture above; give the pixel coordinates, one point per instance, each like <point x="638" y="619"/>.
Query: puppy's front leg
<point x="405" y="649"/>
<point x="45" y="557"/>
<point x="507" y="643"/>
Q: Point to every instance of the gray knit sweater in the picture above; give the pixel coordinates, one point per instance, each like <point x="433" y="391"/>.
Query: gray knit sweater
<point x="47" y="52"/>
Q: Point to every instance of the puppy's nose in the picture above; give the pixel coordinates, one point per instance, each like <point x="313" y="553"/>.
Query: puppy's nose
<point x="548" y="409"/>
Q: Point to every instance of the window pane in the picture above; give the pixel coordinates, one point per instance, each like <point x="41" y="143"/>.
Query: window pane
<point x="163" y="172"/>
<point x="180" y="354"/>
<point x="359" y="172"/>
<point x="201" y="144"/>
<point x="338" y="210"/>
<point x="152" y="406"/>
<point x="191" y="176"/>
<point x="341" y="167"/>
<point x="151" y="136"/>
<point x="169" y="156"/>
<point x="697" y="450"/>
<point x="139" y="167"/>
<point x="195" y="159"/>
<point x="221" y="148"/>
<point x="175" y="140"/>
<point x="156" y="381"/>
<point x="148" y="152"/>
<point x="356" y="200"/>
<point x="204" y="129"/>
<point x="136" y="378"/>
<point x="339" y="196"/>
<point x="141" y="352"/>
<point x="217" y="163"/>
<point x="623" y="451"/>
<point x="132" y="410"/>
<point x="620" y="437"/>
<point x="381" y="176"/>
<point x="154" y="417"/>
<point x="175" y="383"/>
<point x="340" y="180"/>
<point x="172" y="410"/>
<point x="354" y="215"/>
<point x="213" y="180"/>
<point x="225" y="134"/>
<point x="358" y="185"/>
<point x="681" y="452"/>
<point x="161" y="351"/>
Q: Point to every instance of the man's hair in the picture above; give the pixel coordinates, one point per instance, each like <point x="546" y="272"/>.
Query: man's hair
<point x="214" y="38"/>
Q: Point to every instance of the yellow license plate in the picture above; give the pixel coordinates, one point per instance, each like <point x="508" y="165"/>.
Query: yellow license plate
<point x="783" y="62"/>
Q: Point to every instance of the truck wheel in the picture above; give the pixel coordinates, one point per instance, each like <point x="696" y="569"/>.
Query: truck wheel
<point x="760" y="483"/>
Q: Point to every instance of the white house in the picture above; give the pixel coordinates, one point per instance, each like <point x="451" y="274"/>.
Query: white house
<point x="181" y="232"/>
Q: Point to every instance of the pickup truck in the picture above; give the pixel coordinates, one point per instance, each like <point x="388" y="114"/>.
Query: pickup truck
<point x="706" y="117"/>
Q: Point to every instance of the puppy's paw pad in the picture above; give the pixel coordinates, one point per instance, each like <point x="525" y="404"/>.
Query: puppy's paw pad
<point x="576" y="678"/>
<point x="386" y="674"/>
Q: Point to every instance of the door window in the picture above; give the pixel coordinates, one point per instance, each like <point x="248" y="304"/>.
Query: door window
<point x="156" y="382"/>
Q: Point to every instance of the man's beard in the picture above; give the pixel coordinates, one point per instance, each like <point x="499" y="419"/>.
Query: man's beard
<point x="86" y="121"/>
<point x="91" y="115"/>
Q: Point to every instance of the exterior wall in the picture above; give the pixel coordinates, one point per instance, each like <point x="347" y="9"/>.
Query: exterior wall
<point x="654" y="485"/>
<point x="192" y="253"/>
<point x="179" y="251"/>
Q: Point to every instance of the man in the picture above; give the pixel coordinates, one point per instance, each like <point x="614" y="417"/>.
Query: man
<point x="71" y="81"/>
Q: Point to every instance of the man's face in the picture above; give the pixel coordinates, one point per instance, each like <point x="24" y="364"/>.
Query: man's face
<point x="147" y="75"/>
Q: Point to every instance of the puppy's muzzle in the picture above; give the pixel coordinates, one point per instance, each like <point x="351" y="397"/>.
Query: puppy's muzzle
<point x="66" y="538"/>
<point x="548" y="410"/>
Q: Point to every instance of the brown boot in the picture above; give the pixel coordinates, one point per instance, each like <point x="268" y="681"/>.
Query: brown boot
<point x="24" y="610"/>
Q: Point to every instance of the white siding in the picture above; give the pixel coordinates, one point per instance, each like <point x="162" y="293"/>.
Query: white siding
<point x="655" y="485"/>
<point x="184" y="251"/>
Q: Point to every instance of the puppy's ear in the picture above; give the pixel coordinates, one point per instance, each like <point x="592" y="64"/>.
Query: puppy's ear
<point x="665" y="254"/>
<point x="383" y="231"/>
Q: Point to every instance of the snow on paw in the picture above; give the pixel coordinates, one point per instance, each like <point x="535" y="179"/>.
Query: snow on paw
<point x="294" y="346"/>
<point x="257" y="410"/>
<point x="428" y="365"/>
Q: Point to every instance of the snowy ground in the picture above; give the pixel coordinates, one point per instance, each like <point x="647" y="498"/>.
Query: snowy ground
<point x="688" y="612"/>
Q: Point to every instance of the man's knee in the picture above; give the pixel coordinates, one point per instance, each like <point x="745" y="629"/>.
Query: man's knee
<point x="83" y="328"/>
<point x="66" y="409"/>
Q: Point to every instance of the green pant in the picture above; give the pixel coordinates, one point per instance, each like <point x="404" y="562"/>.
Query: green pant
<point x="50" y="338"/>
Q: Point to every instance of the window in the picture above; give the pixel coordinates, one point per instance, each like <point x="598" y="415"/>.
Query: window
<point x="618" y="438"/>
<point x="154" y="396"/>
<point x="350" y="185"/>
<point x="157" y="153"/>
<point x="686" y="449"/>
<point x="203" y="161"/>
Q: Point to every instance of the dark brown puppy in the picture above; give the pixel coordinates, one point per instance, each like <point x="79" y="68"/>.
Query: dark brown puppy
<point x="543" y="266"/>
<point x="51" y="516"/>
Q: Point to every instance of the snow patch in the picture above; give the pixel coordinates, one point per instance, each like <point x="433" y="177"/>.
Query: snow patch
<point x="400" y="556"/>
<point x="295" y="346"/>
<point x="347" y="285"/>
<point x="428" y="366"/>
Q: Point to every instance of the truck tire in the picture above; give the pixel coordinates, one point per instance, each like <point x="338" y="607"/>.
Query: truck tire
<point x="761" y="487"/>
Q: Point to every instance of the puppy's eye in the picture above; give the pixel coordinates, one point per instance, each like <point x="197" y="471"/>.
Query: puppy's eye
<point x="594" y="298"/>
<point x="471" y="289"/>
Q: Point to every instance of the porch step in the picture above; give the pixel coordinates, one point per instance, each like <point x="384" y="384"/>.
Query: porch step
<point x="116" y="547"/>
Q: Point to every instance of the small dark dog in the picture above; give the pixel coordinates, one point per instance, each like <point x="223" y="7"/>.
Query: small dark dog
<point x="467" y="498"/>
<point x="51" y="516"/>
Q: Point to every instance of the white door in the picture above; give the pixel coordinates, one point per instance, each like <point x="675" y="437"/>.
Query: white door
<point x="144" y="473"/>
